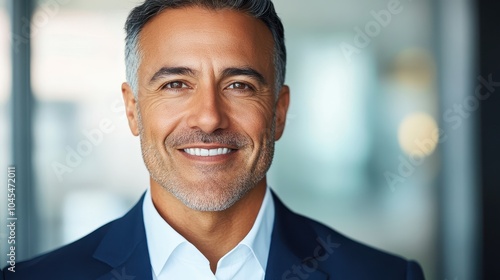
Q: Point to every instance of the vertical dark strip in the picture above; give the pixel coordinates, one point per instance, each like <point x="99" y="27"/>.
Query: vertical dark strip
<point x="22" y="142"/>
<point x="489" y="22"/>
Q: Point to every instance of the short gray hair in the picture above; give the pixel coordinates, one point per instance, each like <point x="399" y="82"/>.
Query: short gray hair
<point x="260" y="9"/>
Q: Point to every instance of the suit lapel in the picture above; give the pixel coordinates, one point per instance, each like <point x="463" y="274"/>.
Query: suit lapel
<point x="124" y="248"/>
<point x="291" y="255"/>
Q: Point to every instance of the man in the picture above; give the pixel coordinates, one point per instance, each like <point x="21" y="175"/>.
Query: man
<point x="205" y="94"/>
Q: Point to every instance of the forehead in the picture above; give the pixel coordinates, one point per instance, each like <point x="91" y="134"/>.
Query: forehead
<point x="192" y="36"/>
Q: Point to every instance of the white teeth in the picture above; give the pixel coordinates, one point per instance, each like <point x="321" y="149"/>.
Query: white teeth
<point x="207" y="152"/>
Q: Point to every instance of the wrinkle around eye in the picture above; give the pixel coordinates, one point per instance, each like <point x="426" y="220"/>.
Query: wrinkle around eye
<point x="250" y="91"/>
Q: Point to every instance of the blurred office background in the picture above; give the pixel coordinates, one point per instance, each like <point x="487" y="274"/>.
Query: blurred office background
<point x="387" y="141"/>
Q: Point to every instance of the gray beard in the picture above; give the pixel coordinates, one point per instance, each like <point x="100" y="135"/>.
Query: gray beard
<point x="209" y="194"/>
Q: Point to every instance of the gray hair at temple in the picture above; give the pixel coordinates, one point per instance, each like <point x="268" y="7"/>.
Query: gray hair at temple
<point x="260" y="9"/>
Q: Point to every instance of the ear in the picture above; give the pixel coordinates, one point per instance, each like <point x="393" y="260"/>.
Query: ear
<point x="281" y="110"/>
<point x="130" y="108"/>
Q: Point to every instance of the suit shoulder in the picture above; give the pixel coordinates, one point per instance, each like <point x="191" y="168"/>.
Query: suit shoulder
<point x="356" y="247"/>
<point x="350" y="259"/>
<point x="71" y="261"/>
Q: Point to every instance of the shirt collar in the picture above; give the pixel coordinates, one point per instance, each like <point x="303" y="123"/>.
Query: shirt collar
<point x="157" y="232"/>
<point x="258" y="239"/>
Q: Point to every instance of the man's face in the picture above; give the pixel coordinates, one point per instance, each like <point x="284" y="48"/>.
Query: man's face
<point x="206" y="112"/>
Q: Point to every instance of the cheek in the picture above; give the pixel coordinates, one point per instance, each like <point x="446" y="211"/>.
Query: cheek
<point x="159" y="119"/>
<point x="255" y="120"/>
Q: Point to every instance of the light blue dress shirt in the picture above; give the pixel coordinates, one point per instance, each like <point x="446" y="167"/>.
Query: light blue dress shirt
<point x="173" y="257"/>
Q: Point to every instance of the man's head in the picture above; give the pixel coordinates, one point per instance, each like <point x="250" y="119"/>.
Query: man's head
<point x="206" y="102"/>
<point x="260" y="9"/>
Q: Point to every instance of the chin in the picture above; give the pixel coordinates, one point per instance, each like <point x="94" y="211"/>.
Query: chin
<point x="210" y="198"/>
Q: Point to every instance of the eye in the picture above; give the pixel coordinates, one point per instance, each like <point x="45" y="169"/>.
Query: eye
<point x="175" y="85"/>
<point x="239" y="86"/>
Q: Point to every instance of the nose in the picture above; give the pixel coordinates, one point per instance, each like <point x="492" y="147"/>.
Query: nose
<point x="208" y="112"/>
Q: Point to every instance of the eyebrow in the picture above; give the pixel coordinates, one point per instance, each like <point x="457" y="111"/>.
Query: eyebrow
<point x="168" y="71"/>
<point x="228" y="72"/>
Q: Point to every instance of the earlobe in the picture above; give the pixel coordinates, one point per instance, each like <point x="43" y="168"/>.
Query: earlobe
<point x="130" y="108"/>
<point x="281" y="111"/>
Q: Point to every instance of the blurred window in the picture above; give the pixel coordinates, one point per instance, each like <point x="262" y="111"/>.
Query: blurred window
<point x="88" y="166"/>
<point x="359" y="152"/>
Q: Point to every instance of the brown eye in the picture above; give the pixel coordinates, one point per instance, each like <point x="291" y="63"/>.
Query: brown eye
<point x="176" y="85"/>
<point x="239" y="86"/>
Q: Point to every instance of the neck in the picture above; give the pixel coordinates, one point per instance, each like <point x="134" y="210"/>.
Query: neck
<point x="214" y="234"/>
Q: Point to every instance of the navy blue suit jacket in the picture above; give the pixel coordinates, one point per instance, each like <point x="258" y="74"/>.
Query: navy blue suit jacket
<point x="300" y="249"/>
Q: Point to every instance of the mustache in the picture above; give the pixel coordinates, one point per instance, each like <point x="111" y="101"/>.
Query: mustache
<point x="223" y="137"/>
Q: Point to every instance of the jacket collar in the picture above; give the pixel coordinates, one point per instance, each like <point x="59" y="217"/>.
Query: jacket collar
<point x="291" y="255"/>
<point x="124" y="247"/>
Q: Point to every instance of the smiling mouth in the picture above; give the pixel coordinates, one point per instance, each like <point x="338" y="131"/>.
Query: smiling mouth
<point x="207" y="152"/>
